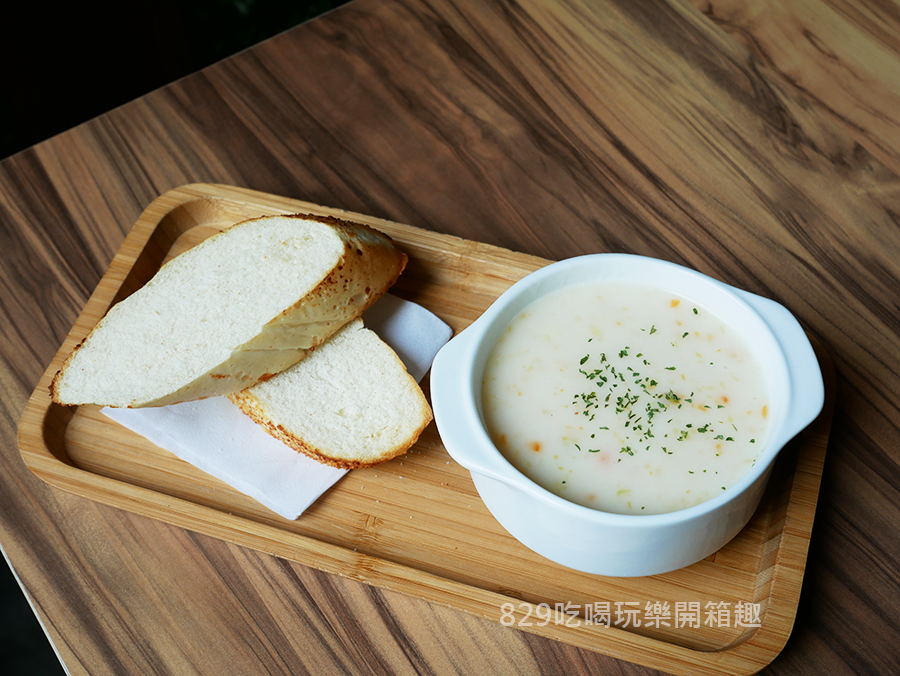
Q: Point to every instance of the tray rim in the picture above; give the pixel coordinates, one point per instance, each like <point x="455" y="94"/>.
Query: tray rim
<point x="750" y="653"/>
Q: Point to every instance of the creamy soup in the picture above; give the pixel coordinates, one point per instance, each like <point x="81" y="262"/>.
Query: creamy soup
<point x="625" y="399"/>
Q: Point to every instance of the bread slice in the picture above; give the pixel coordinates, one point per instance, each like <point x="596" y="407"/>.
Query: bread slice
<point x="349" y="404"/>
<point x="237" y="308"/>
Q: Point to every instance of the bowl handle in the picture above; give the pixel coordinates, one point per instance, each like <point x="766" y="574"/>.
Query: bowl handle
<point x="807" y="385"/>
<point x="456" y="417"/>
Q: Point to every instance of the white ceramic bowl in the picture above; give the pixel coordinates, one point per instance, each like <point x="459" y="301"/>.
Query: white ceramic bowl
<point x="615" y="544"/>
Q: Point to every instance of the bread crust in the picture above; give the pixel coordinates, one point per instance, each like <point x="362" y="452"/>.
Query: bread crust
<point x="251" y="406"/>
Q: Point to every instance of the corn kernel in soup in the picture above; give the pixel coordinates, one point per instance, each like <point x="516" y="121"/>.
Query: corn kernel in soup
<point x="625" y="399"/>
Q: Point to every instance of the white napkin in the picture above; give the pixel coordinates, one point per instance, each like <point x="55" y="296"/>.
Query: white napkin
<point x="216" y="437"/>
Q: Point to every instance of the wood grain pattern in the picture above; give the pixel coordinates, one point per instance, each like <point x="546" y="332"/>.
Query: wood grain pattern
<point x="754" y="141"/>
<point x="416" y="524"/>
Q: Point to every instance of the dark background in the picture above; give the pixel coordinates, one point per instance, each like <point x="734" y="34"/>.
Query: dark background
<point x="63" y="65"/>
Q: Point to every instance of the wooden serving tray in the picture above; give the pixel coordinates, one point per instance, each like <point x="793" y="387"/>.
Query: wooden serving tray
<point x="416" y="524"/>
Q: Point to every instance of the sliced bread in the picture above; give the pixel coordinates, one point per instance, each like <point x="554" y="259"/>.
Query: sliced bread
<point x="237" y="308"/>
<point x="349" y="404"/>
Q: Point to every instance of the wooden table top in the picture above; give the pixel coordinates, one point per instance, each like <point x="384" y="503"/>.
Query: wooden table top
<point x="758" y="142"/>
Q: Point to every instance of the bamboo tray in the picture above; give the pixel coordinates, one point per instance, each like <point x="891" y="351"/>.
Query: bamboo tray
<point x="416" y="525"/>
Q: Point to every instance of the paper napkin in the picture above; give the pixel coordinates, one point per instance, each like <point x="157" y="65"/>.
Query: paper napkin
<point x="216" y="437"/>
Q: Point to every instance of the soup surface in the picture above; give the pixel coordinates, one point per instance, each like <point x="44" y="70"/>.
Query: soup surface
<point x="625" y="399"/>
